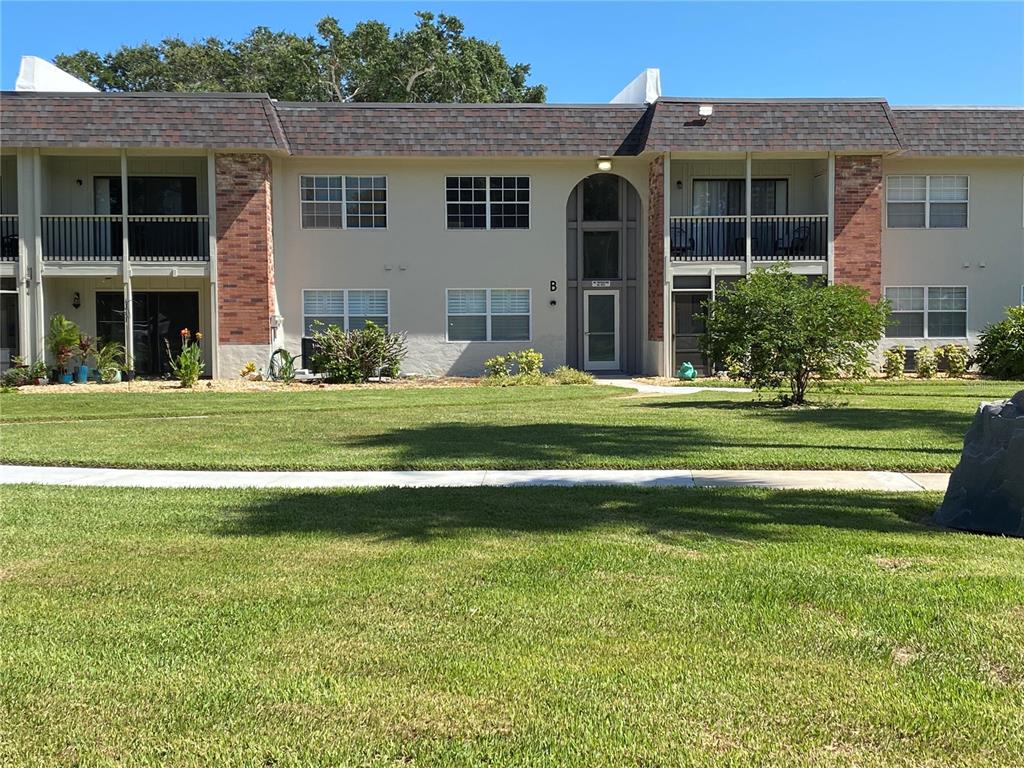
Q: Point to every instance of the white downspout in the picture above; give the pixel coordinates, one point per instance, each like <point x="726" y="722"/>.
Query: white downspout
<point x="39" y="353"/>
<point x="749" y="199"/>
<point x="211" y="205"/>
<point x="667" y="340"/>
<point x="831" y="225"/>
<point x="126" y="268"/>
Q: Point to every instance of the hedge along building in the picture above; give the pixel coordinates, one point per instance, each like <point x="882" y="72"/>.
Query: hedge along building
<point x="592" y="233"/>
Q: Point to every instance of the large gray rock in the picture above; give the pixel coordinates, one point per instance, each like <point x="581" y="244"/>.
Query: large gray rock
<point x="986" y="490"/>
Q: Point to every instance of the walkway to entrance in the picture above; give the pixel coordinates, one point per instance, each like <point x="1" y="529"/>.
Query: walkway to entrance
<point x="649" y="478"/>
<point x="664" y="389"/>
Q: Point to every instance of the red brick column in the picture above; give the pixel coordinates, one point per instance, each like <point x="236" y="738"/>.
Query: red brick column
<point x="656" y="250"/>
<point x="858" y="225"/>
<point x="245" y="249"/>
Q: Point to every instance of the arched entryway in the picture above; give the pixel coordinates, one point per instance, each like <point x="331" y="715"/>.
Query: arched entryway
<point x="603" y="324"/>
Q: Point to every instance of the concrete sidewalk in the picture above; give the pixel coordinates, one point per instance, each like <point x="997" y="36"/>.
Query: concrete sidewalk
<point x="651" y="478"/>
<point x="663" y="389"/>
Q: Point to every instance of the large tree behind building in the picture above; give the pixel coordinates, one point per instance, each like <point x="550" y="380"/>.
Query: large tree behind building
<point x="434" y="61"/>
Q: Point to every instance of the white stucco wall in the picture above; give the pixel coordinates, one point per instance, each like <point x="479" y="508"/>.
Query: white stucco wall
<point x="987" y="257"/>
<point x="416" y="258"/>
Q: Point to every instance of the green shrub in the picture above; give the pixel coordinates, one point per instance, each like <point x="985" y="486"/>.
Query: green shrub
<point x="563" y="374"/>
<point x="358" y="355"/>
<point x="775" y="327"/>
<point x="498" y="367"/>
<point x="926" y="362"/>
<point x="525" y="362"/>
<point x="894" y="362"/>
<point x="21" y="373"/>
<point x="1000" y="350"/>
<point x="528" y="361"/>
<point x="957" y="358"/>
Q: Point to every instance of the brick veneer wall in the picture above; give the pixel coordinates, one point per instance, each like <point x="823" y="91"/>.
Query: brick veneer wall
<point x="656" y="250"/>
<point x="858" y="225"/>
<point x="245" y="249"/>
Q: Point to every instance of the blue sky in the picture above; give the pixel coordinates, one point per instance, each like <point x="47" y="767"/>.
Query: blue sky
<point x="911" y="53"/>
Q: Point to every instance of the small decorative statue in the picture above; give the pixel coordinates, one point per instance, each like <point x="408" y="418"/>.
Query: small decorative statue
<point x="686" y="372"/>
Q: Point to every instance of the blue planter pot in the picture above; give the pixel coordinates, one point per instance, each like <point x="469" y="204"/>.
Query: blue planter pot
<point x="82" y="374"/>
<point x="64" y="378"/>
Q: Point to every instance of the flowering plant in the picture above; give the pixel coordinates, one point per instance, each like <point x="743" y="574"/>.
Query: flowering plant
<point x="188" y="364"/>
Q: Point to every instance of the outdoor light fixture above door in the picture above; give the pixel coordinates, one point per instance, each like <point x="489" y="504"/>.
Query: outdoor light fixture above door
<point x="604" y="164"/>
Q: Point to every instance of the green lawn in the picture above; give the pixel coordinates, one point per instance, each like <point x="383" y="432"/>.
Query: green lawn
<point x="898" y="426"/>
<point x="536" y="627"/>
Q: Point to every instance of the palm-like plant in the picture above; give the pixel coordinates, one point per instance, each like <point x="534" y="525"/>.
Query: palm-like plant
<point x="62" y="339"/>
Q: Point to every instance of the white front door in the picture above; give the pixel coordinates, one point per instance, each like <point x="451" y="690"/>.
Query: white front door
<point x="601" y="330"/>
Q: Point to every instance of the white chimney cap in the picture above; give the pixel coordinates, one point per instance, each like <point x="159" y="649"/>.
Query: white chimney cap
<point x="40" y="75"/>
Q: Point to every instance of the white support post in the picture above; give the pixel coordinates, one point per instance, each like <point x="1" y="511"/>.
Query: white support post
<point x="213" y="343"/>
<point x="126" y="267"/>
<point x="39" y="345"/>
<point x="749" y="195"/>
<point x="25" y="231"/>
<point x="831" y="226"/>
<point x="667" y="340"/>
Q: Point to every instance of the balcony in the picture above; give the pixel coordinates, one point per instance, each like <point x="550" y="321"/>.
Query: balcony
<point x="83" y="238"/>
<point x="9" y="237"/>
<point x="773" y="238"/>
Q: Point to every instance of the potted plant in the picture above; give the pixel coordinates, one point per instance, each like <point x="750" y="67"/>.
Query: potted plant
<point x="62" y="339"/>
<point x="82" y="353"/>
<point x="109" y="361"/>
<point x="39" y="373"/>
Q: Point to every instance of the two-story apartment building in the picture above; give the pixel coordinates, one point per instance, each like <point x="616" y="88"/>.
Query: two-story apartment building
<point x="592" y="233"/>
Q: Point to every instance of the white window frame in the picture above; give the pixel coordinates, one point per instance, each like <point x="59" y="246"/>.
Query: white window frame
<point x="488" y="202"/>
<point x="344" y="200"/>
<point x="346" y="314"/>
<point x="487" y="315"/>
<point x="927" y="309"/>
<point x="928" y="203"/>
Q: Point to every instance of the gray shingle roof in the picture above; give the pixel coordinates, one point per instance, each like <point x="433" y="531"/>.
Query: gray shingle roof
<point x="114" y="120"/>
<point x="961" y="131"/>
<point x="459" y="129"/>
<point x="254" y="122"/>
<point x="742" y="125"/>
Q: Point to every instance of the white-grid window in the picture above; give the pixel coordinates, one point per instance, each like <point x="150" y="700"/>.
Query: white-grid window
<point x="927" y="312"/>
<point x="926" y="202"/>
<point x="485" y="314"/>
<point x="347" y="309"/>
<point x="487" y="202"/>
<point x="344" y="202"/>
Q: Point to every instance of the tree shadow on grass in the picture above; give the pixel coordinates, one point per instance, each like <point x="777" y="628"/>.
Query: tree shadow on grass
<point x="548" y="445"/>
<point x="941" y="422"/>
<point x="426" y="514"/>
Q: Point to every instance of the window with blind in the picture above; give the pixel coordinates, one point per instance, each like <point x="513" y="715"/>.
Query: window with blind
<point x="926" y="202"/>
<point x="488" y="314"/>
<point x="349" y="309"/>
<point x="927" y="312"/>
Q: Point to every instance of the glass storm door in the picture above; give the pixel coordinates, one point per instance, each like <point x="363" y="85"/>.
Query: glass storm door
<point x="689" y="317"/>
<point x="601" y="330"/>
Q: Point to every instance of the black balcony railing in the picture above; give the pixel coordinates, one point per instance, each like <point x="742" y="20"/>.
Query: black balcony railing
<point x="772" y="238"/>
<point x="9" y="237"/>
<point x="708" y="238"/>
<point x="150" y="238"/>
<point x="789" y="238"/>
